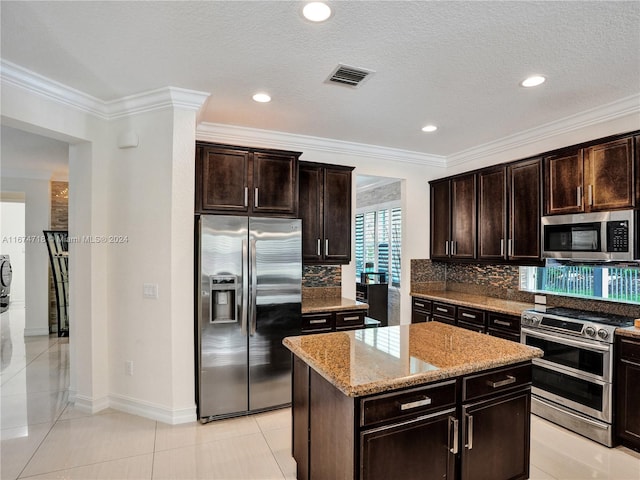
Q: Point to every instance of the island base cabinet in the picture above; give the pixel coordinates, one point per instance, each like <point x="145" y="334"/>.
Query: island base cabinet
<point x="495" y="438"/>
<point x="419" y="448"/>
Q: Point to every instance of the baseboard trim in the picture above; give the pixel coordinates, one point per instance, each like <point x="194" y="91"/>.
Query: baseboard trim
<point x="88" y="404"/>
<point x="152" y="411"/>
<point x="36" y="332"/>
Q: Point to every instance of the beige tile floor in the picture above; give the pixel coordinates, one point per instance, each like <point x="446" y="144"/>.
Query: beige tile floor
<point x="44" y="437"/>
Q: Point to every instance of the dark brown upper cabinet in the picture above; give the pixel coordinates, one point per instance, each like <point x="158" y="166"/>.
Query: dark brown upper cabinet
<point x="492" y="214"/>
<point x="453" y="218"/>
<point x="246" y="181"/>
<point x="596" y="178"/>
<point x="325" y="210"/>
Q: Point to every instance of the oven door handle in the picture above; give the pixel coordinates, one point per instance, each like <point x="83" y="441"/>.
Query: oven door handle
<point x="566" y="341"/>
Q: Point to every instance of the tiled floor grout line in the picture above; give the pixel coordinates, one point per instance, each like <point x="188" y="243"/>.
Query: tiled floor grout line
<point x="153" y="454"/>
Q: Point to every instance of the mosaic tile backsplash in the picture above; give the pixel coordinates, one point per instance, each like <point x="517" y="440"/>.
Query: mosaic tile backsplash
<point x="321" y="281"/>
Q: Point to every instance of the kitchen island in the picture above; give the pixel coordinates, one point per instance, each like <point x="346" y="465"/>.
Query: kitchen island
<point x="425" y="400"/>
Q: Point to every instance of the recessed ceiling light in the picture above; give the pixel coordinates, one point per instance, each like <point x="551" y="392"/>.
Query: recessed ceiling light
<point x="429" y="128"/>
<point x="316" y="11"/>
<point x="533" y="81"/>
<point x="262" y="97"/>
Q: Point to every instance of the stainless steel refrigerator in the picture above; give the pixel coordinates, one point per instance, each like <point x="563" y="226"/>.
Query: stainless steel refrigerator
<point x="249" y="283"/>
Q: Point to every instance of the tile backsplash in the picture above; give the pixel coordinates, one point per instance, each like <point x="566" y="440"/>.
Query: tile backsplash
<point x="321" y="281"/>
<point x="499" y="281"/>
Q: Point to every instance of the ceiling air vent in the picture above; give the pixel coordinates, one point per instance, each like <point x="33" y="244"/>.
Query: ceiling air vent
<point x="349" y="76"/>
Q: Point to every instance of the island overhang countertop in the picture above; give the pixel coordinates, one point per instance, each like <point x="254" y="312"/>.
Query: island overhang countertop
<point x="375" y="360"/>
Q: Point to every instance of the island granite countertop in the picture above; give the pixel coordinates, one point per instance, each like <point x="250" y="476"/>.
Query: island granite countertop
<point x="369" y="361"/>
<point x="498" y="305"/>
<point x="331" y="304"/>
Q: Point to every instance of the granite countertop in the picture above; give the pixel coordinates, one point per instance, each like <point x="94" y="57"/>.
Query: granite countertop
<point x="628" y="332"/>
<point x="316" y="305"/>
<point x="368" y="361"/>
<point x="482" y="302"/>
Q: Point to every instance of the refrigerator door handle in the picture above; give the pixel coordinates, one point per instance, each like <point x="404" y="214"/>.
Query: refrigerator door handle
<point x="254" y="288"/>
<point x="245" y="290"/>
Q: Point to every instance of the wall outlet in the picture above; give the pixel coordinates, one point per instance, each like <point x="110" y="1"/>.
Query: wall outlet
<point x="150" y="290"/>
<point x="128" y="367"/>
<point x="540" y="299"/>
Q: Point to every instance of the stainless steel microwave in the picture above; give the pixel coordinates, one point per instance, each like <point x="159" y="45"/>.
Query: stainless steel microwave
<point x="600" y="236"/>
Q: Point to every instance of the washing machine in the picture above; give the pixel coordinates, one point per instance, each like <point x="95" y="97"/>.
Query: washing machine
<point x="5" y="282"/>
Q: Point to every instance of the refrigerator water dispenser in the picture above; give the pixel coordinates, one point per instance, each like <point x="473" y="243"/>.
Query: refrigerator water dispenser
<point x="223" y="298"/>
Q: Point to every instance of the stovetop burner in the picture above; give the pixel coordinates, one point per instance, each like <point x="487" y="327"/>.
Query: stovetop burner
<point x="595" y="317"/>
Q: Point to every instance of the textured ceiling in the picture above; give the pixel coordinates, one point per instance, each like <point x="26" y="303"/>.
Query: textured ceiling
<point x="454" y="64"/>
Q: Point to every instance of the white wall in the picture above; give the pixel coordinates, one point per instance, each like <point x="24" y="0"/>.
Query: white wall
<point x="36" y="275"/>
<point x="12" y="228"/>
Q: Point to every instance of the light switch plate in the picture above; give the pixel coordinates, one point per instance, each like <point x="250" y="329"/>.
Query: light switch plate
<point x="150" y="290"/>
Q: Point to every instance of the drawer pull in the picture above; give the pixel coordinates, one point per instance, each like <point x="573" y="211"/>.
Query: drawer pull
<point x="324" y="320"/>
<point x="454" y="422"/>
<point x="502" y="322"/>
<point x="351" y="319"/>
<point x="468" y="315"/>
<point x="507" y="381"/>
<point x="415" y="404"/>
<point x="440" y="309"/>
<point x="418" y="304"/>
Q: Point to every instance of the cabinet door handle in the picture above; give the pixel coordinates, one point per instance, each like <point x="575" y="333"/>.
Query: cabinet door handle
<point x="579" y="197"/>
<point x="468" y="315"/>
<point x="415" y="404"/>
<point x="255" y="197"/>
<point x="507" y="381"/>
<point x="246" y="196"/>
<point x="510" y="247"/>
<point x="446" y="247"/>
<point x="318" y="247"/>
<point x="326" y="246"/>
<point x="324" y="320"/>
<point x="453" y="422"/>
<point x="502" y="322"/>
<point x="502" y="247"/>
<point x="469" y="443"/>
<point x="590" y="194"/>
<point x="440" y="309"/>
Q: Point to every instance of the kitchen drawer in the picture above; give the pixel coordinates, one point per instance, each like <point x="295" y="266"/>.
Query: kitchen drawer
<point x="494" y="332"/>
<point x="421" y="304"/>
<point x="352" y="319"/>
<point x="504" y="322"/>
<point x="488" y="383"/>
<point x="444" y="309"/>
<point x="471" y="326"/>
<point x="405" y="404"/>
<point x="629" y="350"/>
<point x="447" y="320"/>
<point x="317" y="322"/>
<point x="471" y="315"/>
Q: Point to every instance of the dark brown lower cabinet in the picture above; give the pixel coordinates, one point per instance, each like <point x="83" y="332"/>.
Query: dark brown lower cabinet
<point x="496" y="435"/>
<point x="407" y="444"/>
<point x="473" y="427"/>
<point x="628" y="392"/>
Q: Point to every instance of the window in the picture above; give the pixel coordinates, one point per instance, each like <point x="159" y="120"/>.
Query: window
<point x="596" y="282"/>
<point x="378" y="242"/>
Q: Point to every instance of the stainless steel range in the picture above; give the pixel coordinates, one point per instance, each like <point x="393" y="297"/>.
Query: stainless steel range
<point x="572" y="382"/>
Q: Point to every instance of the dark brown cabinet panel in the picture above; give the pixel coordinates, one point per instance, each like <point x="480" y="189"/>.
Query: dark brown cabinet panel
<point x="440" y="219"/>
<point x="609" y="175"/>
<point x="628" y="392"/>
<point x="420" y="310"/>
<point x="246" y="181"/>
<point x="463" y="217"/>
<point x="495" y="438"/>
<point x="453" y="218"/>
<point x="325" y="209"/>
<point x="596" y="178"/>
<point x="492" y="213"/>
<point x="525" y="209"/>
<point x="321" y="322"/>
<point x="421" y="447"/>
<point x="224" y="175"/>
<point x="564" y="179"/>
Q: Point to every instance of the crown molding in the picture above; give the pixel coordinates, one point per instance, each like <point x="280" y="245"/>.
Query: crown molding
<point x="604" y="113"/>
<point x="168" y="97"/>
<point x="231" y="134"/>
